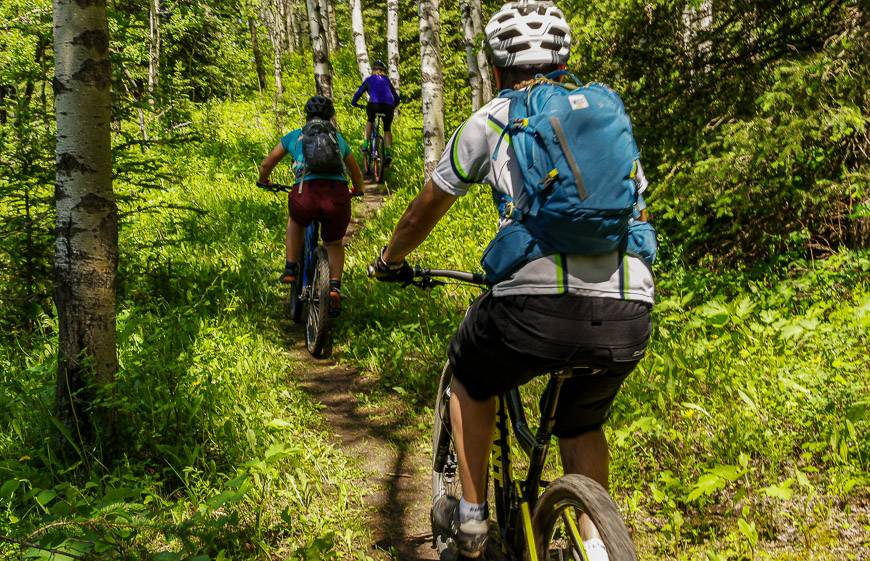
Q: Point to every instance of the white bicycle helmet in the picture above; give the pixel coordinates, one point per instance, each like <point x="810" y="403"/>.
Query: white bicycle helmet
<point x="528" y="33"/>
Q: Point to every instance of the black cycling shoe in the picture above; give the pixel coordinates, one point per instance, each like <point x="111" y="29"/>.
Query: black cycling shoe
<point x="469" y="536"/>
<point x="291" y="270"/>
<point x="334" y="302"/>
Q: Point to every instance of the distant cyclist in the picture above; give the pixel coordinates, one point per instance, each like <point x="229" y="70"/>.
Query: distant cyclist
<point x="383" y="99"/>
<point x="321" y="161"/>
<point x="548" y="310"/>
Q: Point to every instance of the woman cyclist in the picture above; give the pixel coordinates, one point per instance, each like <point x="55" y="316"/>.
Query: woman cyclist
<point x="316" y="196"/>
<point x="383" y="99"/>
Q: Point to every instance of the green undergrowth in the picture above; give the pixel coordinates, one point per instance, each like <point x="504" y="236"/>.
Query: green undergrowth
<point x="743" y="434"/>
<point x="221" y="455"/>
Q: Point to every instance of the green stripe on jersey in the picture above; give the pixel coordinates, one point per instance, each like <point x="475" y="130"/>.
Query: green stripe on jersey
<point x="626" y="265"/>
<point x="455" y="154"/>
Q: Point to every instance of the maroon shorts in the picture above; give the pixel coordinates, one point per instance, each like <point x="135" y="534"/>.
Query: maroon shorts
<point x="324" y="200"/>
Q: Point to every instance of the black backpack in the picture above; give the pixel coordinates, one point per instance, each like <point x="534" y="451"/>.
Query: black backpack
<point x="320" y="148"/>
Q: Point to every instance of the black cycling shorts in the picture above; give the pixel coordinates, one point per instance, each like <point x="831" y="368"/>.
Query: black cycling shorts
<point x="505" y="341"/>
<point x="384" y="109"/>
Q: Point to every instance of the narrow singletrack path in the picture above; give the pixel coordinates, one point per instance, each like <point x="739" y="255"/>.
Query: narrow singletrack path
<point x="383" y="441"/>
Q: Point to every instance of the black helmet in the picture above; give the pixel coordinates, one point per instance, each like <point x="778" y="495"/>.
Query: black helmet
<point x="379" y="65"/>
<point x="319" y="106"/>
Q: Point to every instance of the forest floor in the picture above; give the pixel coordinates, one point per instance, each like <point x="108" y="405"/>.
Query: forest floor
<point x="382" y="437"/>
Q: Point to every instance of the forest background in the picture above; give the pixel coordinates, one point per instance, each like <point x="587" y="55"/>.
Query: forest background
<point x="744" y="434"/>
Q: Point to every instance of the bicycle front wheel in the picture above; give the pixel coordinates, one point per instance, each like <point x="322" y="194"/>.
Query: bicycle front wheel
<point x="317" y="322"/>
<point x="557" y="514"/>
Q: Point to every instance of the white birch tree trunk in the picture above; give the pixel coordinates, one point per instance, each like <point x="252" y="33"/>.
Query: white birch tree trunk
<point x="86" y="250"/>
<point x="292" y="25"/>
<point x="393" y="41"/>
<point x="359" y="38"/>
<point x="483" y="67"/>
<point x="327" y="23"/>
<point x="153" y="48"/>
<point x="320" y="49"/>
<point x="432" y="84"/>
<point x="474" y="78"/>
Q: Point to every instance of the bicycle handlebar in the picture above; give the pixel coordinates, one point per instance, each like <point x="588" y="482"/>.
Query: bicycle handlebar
<point x="428" y="278"/>
<point x="278" y="187"/>
<point x="275" y="187"/>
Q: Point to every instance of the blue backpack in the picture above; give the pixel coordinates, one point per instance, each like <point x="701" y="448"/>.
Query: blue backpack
<point x="578" y="159"/>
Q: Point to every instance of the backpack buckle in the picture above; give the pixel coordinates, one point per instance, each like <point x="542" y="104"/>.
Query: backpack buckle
<point x="512" y="212"/>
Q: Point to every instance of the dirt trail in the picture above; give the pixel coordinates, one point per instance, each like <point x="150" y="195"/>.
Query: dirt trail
<point x="390" y="451"/>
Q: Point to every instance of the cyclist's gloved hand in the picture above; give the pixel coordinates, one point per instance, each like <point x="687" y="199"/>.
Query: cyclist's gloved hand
<point x="383" y="271"/>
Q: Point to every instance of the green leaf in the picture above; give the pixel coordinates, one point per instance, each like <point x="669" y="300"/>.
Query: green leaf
<point x="782" y="491"/>
<point x="9" y="488"/>
<point x="45" y="496"/>
<point x="707" y="484"/>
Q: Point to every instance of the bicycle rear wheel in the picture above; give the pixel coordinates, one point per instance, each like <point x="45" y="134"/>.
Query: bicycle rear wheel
<point x="445" y="472"/>
<point x="378" y="163"/>
<point x="317" y="321"/>
<point x="555" y="521"/>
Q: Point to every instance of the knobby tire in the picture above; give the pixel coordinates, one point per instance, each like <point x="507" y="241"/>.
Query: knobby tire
<point x="318" y="323"/>
<point x="578" y="493"/>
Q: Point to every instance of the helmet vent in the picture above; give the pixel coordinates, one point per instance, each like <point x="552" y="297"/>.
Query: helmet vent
<point x="517" y="48"/>
<point x="505" y="18"/>
<point x="509" y="34"/>
<point x="535" y="24"/>
<point x="549" y="45"/>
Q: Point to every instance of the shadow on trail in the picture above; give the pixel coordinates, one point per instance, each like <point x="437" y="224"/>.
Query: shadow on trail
<point x="387" y="444"/>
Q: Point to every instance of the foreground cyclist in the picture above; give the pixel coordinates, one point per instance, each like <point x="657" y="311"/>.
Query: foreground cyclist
<point x="383" y="99"/>
<point x="321" y="159"/>
<point x="550" y="311"/>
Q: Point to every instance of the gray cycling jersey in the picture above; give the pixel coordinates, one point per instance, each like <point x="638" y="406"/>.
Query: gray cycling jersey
<point x="479" y="152"/>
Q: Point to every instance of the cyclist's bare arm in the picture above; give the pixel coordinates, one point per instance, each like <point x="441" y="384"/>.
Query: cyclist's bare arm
<point x="419" y="218"/>
<point x="356" y="176"/>
<point x="271" y="161"/>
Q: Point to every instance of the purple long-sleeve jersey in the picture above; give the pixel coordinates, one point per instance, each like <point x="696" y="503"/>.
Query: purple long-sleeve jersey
<point x="380" y="90"/>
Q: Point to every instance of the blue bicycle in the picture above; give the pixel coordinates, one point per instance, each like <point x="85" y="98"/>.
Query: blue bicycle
<point x="309" y="294"/>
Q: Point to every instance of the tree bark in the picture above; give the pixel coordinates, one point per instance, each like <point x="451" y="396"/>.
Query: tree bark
<point x="271" y="16"/>
<point x="393" y="41"/>
<point x="153" y="49"/>
<point x="258" y="55"/>
<point x="483" y="67"/>
<point x="4" y="115"/>
<point x="320" y="49"/>
<point x="359" y="38"/>
<point x="86" y="251"/>
<point x="292" y="25"/>
<point x="470" y="56"/>
<point x="432" y="84"/>
<point x="328" y="21"/>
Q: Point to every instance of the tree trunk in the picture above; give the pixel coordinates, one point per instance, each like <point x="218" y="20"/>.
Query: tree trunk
<point x="292" y="25"/>
<point x="258" y="55"/>
<point x="153" y="49"/>
<point x="393" y="41"/>
<point x="327" y="21"/>
<point x="86" y="252"/>
<point x="320" y="49"/>
<point x="4" y="115"/>
<point x="470" y="55"/>
<point x="359" y="39"/>
<point x="432" y="84"/>
<point x="484" y="70"/>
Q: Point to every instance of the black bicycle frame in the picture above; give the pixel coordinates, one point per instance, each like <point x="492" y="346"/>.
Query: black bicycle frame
<point x="516" y="499"/>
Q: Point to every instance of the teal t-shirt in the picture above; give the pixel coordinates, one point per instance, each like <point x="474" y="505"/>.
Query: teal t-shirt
<point x="292" y="142"/>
